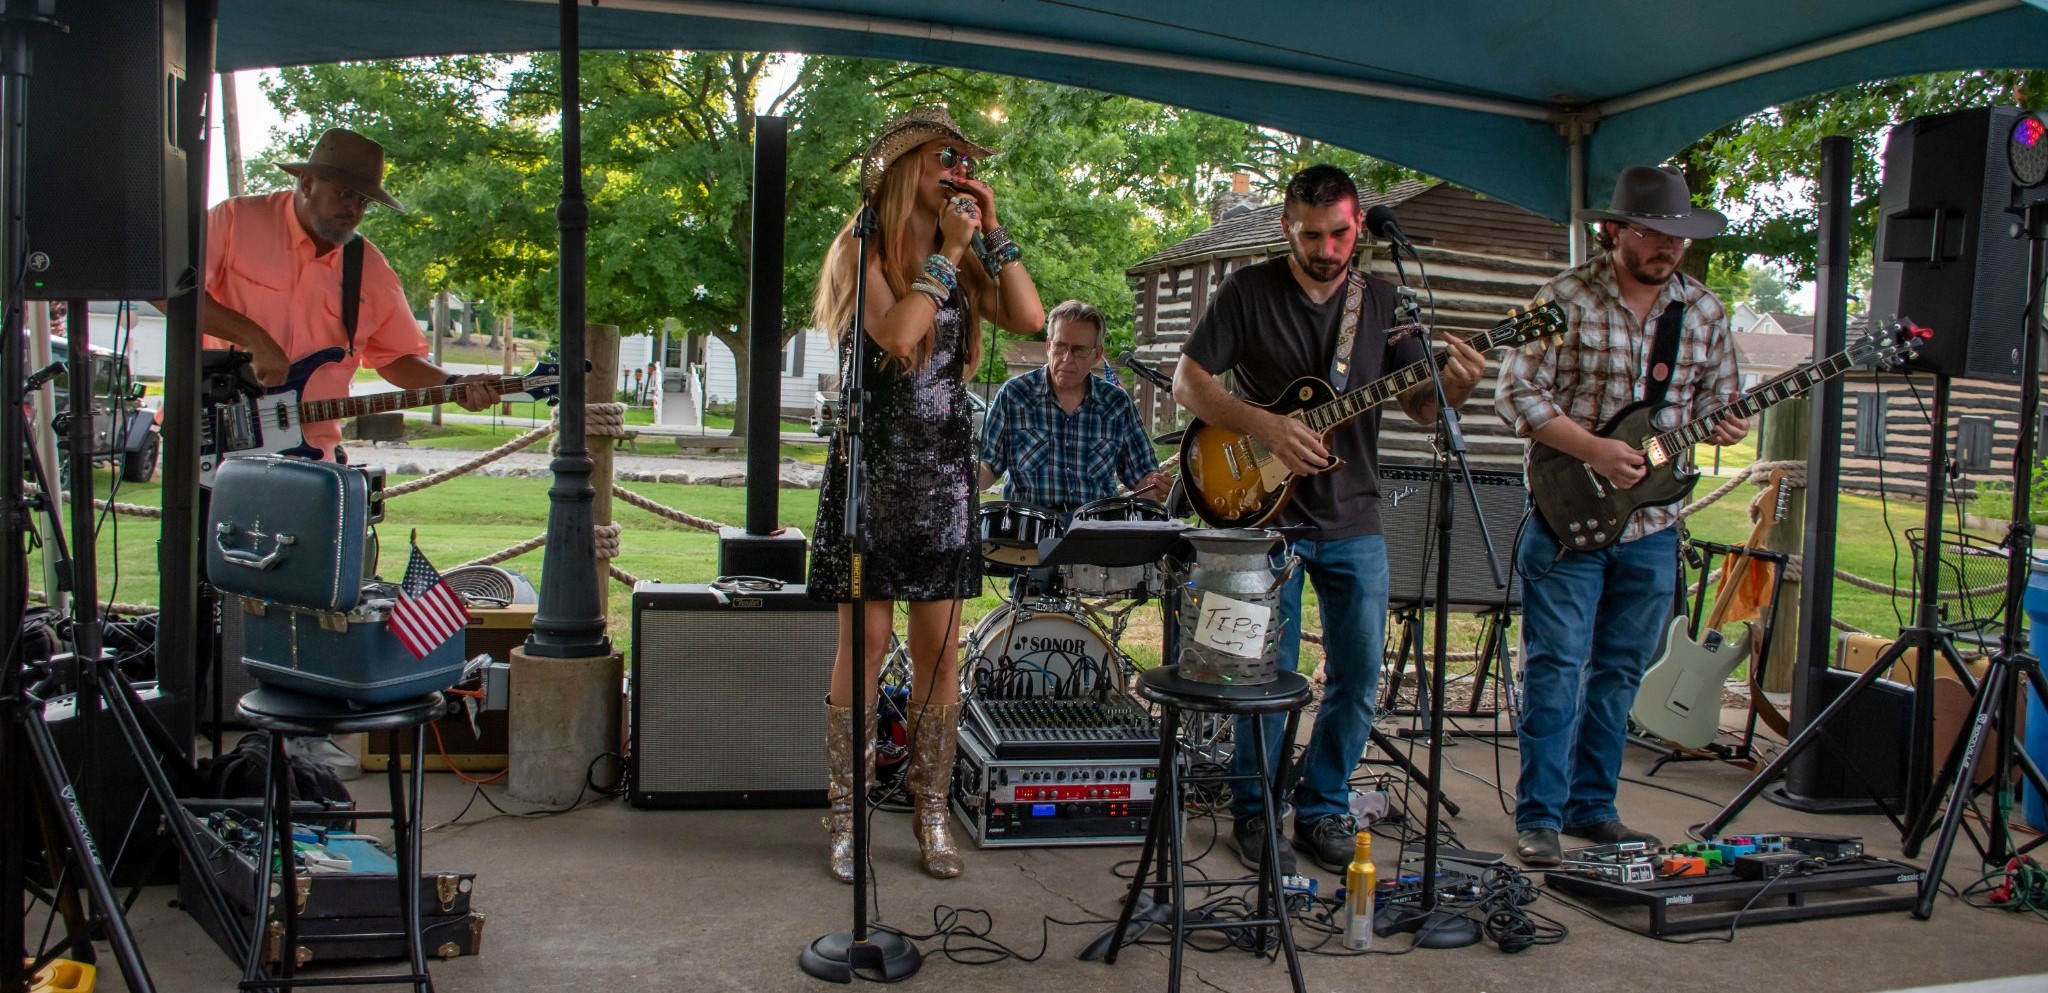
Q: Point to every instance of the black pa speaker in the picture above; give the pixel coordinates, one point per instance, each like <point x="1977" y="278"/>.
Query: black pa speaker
<point x="1945" y="253"/>
<point x="1407" y="515"/>
<point x="106" y="210"/>
<point x="728" y="695"/>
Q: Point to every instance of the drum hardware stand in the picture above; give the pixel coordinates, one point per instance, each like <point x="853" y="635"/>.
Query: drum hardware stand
<point x="1744" y="752"/>
<point x="1996" y="699"/>
<point x="885" y="956"/>
<point x="1434" y="927"/>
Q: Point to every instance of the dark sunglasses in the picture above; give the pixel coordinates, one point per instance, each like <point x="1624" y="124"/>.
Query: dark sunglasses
<point x="950" y="157"/>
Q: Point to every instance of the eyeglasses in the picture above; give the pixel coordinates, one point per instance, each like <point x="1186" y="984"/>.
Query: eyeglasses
<point x="1062" y="348"/>
<point x="1645" y="234"/>
<point x="950" y="157"/>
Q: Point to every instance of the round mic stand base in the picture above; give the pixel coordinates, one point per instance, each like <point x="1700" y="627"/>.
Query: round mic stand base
<point x="884" y="958"/>
<point x="1436" y="928"/>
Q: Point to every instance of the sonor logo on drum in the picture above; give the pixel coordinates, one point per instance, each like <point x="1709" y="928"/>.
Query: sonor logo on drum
<point x="1064" y="646"/>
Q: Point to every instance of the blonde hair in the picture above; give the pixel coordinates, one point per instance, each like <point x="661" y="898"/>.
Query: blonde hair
<point x="901" y="263"/>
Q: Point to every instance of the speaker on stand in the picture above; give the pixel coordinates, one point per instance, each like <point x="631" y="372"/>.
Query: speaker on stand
<point x="106" y="208"/>
<point x="1408" y="499"/>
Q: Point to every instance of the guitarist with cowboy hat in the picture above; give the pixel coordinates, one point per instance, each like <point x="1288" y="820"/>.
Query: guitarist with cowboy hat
<point x="1638" y="329"/>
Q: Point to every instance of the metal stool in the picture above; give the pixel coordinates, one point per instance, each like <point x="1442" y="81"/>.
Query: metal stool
<point x="283" y="713"/>
<point x="1163" y="842"/>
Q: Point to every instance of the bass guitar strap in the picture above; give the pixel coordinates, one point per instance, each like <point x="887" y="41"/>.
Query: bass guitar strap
<point x="351" y="287"/>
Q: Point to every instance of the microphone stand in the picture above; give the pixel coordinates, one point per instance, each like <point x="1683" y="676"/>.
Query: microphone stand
<point x="883" y="956"/>
<point x="1435" y="927"/>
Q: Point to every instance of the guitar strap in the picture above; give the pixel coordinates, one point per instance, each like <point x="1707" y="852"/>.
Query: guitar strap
<point x="1347" y="329"/>
<point x="351" y="287"/>
<point x="1664" y="352"/>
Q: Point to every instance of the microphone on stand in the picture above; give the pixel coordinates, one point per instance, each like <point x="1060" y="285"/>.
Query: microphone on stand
<point x="1381" y="222"/>
<point x="1129" y="360"/>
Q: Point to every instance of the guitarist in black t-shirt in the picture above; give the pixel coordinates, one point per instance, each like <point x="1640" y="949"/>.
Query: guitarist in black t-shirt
<point x="1310" y="314"/>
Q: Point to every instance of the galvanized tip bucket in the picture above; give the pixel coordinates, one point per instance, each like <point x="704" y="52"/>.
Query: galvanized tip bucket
<point x="1229" y="606"/>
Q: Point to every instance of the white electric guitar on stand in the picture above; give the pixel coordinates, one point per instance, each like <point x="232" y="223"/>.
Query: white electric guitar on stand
<point x="242" y="420"/>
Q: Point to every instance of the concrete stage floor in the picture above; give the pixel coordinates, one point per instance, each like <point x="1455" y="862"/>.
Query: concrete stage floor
<point x="611" y="898"/>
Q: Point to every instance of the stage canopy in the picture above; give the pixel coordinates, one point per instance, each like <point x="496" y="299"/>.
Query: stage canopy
<point x="1484" y="93"/>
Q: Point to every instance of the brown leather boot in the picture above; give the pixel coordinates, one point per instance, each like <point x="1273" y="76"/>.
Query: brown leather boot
<point x="930" y="781"/>
<point x="839" y="764"/>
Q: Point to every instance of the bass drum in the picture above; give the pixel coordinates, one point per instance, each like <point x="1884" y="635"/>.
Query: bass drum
<point x="1131" y="582"/>
<point x="1042" y="649"/>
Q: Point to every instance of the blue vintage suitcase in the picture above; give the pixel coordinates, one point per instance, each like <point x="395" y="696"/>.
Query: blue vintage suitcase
<point x="289" y="531"/>
<point x="349" y="656"/>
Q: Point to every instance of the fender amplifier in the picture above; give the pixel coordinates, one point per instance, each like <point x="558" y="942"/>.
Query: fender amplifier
<point x="1408" y="502"/>
<point x="728" y="696"/>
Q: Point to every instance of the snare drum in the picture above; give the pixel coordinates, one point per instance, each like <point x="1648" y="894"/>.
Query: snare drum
<point x="1035" y="648"/>
<point x="1130" y="582"/>
<point x="1010" y="533"/>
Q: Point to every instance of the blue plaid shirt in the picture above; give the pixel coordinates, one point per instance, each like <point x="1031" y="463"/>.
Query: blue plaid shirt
<point x="1058" y="460"/>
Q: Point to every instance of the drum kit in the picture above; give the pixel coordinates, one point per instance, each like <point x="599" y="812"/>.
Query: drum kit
<point x="1060" y="633"/>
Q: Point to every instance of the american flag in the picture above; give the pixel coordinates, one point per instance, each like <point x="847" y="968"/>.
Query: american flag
<point x="427" y="612"/>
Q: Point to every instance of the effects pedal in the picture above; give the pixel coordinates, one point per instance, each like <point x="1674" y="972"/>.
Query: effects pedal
<point x="1771" y="865"/>
<point x="1828" y="847"/>
<point x="1628" y="863"/>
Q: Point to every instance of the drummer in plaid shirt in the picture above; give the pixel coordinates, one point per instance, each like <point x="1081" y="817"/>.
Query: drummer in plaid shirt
<point x="1063" y="436"/>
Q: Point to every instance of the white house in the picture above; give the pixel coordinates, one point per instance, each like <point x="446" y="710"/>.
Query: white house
<point x="804" y="358"/>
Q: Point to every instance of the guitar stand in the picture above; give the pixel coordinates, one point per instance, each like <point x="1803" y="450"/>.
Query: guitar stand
<point x="1743" y="753"/>
<point x="1493" y="648"/>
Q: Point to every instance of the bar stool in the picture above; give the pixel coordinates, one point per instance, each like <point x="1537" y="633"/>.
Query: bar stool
<point x="284" y="713"/>
<point x="1165" y="686"/>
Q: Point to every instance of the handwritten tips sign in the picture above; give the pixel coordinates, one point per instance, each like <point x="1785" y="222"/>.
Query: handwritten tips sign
<point x="1233" y="626"/>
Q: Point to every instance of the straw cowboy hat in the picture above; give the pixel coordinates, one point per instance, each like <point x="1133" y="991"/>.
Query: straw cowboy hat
<point x="1658" y="200"/>
<point x="913" y="128"/>
<point x="351" y="160"/>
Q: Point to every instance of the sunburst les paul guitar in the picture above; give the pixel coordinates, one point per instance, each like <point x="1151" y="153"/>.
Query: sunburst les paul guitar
<point x="1588" y="513"/>
<point x="1233" y="481"/>
<point x="272" y="421"/>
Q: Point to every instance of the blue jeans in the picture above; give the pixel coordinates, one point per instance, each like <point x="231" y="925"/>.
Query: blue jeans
<point x="1591" y="623"/>
<point x="1351" y="587"/>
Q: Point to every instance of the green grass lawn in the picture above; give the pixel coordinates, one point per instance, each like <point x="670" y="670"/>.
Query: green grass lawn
<point x="471" y="517"/>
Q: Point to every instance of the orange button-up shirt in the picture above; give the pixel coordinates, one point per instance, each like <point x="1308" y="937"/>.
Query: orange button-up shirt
<point x="261" y="263"/>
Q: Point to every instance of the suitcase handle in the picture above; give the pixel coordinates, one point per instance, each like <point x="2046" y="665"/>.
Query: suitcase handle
<point x="250" y="560"/>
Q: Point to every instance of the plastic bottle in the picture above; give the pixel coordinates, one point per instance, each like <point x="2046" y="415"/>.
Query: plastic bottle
<point x="1361" y="880"/>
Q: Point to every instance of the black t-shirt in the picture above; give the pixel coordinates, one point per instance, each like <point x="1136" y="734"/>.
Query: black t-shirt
<point x="1264" y="328"/>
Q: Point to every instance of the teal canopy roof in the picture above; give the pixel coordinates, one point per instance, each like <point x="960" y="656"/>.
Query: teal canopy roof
<point x="1484" y="93"/>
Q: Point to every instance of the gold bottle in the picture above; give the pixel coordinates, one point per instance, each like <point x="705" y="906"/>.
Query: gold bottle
<point x="1361" y="879"/>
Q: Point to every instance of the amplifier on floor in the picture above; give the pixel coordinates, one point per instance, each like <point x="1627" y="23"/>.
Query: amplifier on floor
<point x="1408" y="503"/>
<point x="1072" y="801"/>
<point x="728" y="689"/>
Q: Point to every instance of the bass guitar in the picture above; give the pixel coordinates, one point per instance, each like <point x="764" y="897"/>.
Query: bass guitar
<point x="1680" y="696"/>
<point x="243" y="421"/>
<point x="1233" y="481"/>
<point x="1588" y="513"/>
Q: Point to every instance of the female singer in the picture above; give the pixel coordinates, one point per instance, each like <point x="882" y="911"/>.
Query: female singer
<point x="930" y="285"/>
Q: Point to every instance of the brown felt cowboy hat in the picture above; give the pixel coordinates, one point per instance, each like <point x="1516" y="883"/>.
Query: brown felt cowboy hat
<point x="351" y="160"/>
<point x="906" y="132"/>
<point x="1658" y="200"/>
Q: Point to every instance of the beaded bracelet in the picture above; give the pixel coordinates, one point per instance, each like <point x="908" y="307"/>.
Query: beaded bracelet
<point x="1001" y="248"/>
<point x="943" y="272"/>
<point x="937" y="293"/>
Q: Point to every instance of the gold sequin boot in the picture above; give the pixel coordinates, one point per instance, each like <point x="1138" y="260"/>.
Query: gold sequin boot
<point x="930" y="781"/>
<point x="839" y="764"/>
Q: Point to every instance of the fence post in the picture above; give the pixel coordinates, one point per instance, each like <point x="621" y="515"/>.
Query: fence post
<point x="602" y="386"/>
<point x="1782" y="437"/>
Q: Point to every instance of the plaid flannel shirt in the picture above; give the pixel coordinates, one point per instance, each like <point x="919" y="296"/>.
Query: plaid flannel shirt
<point x="1598" y="368"/>
<point x="1058" y="460"/>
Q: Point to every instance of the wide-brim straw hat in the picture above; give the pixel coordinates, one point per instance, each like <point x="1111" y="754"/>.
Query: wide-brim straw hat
<point x="351" y="160"/>
<point x="906" y="132"/>
<point x="1657" y="199"/>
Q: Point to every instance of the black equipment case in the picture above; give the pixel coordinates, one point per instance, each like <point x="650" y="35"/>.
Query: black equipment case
<point x="343" y="916"/>
<point x="728" y="691"/>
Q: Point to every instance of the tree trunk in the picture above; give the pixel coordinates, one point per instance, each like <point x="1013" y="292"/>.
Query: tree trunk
<point x="438" y="325"/>
<point x="468" y="322"/>
<point x="742" y="366"/>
